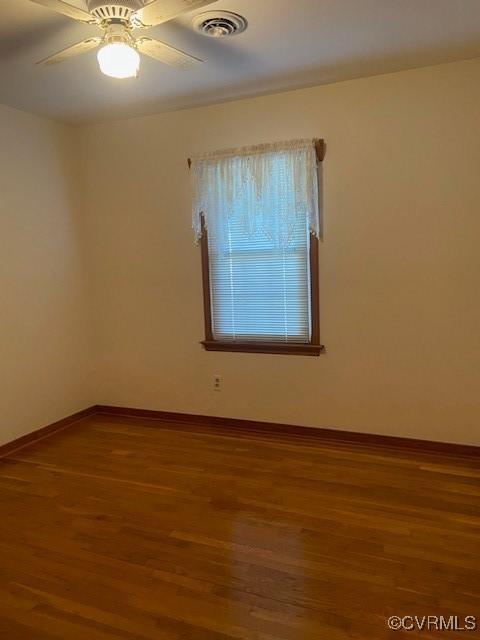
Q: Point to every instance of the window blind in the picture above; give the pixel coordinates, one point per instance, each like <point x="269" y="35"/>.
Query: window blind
<point x="260" y="292"/>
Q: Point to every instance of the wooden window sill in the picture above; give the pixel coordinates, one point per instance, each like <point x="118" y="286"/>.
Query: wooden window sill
<point x="287" y="348"/>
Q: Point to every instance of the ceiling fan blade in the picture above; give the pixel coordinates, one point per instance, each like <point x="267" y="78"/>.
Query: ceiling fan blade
<point x="74" y="50"/>
<point x="158" y="11"/>
<point x="66" y="9"/>
<point x="165" y="53"/>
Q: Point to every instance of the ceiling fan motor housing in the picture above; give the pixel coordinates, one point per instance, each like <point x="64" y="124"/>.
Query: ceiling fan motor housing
<point x="121" y="10"/>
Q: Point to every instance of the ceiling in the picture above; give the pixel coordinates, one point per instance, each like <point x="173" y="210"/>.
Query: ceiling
<point x="289" y="44"/>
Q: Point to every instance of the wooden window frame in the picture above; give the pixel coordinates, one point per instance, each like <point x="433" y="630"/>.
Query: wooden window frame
<point x="312" y="348"/>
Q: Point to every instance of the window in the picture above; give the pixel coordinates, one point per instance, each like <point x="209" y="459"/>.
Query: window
<point x="259" y="248"/>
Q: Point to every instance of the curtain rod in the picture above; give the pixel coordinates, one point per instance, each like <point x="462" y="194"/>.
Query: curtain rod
<point x="320" y="148"/>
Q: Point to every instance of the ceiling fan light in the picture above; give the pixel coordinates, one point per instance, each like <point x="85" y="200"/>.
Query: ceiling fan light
<point x="119" y="60"/>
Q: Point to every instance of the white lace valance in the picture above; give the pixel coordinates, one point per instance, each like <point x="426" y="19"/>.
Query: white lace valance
<point x="266" y="189"/>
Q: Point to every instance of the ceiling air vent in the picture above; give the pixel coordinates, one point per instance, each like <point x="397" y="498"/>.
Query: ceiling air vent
<point x="218" y="24"/>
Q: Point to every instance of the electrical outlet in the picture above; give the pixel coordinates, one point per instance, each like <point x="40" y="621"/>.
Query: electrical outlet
<point x="217" y="383"/>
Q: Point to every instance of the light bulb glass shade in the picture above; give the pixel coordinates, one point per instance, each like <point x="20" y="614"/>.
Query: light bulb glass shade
<point x="119" y="60"/>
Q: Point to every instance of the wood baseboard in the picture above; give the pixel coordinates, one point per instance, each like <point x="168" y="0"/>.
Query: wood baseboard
<point x="45" y="432"/>
<point x="249" y="426"/>
<point x="326" y="435"/>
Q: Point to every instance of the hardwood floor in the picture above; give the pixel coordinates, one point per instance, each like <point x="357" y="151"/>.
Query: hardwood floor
<point x="125" y="528"/>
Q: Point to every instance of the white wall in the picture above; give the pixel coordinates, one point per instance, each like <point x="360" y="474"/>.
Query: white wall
<point x="107" y="243"/>
<point x="45" y="338"/>
<point x="400" y="264"/>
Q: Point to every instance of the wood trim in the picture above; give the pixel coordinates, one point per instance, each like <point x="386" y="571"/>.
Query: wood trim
<point x="192" y="421"/>
<point x="315" y="292"/>
<point x="332" y="436"/>
<point x="312" y="348"/>
<point x="45" y="432"/>
<point x="207" y="303"/>
<point x="282" y="348"/>
<point x="321" y="149"/>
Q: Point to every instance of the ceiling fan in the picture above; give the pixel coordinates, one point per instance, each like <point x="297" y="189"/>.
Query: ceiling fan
<point x="119" y="54"/>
